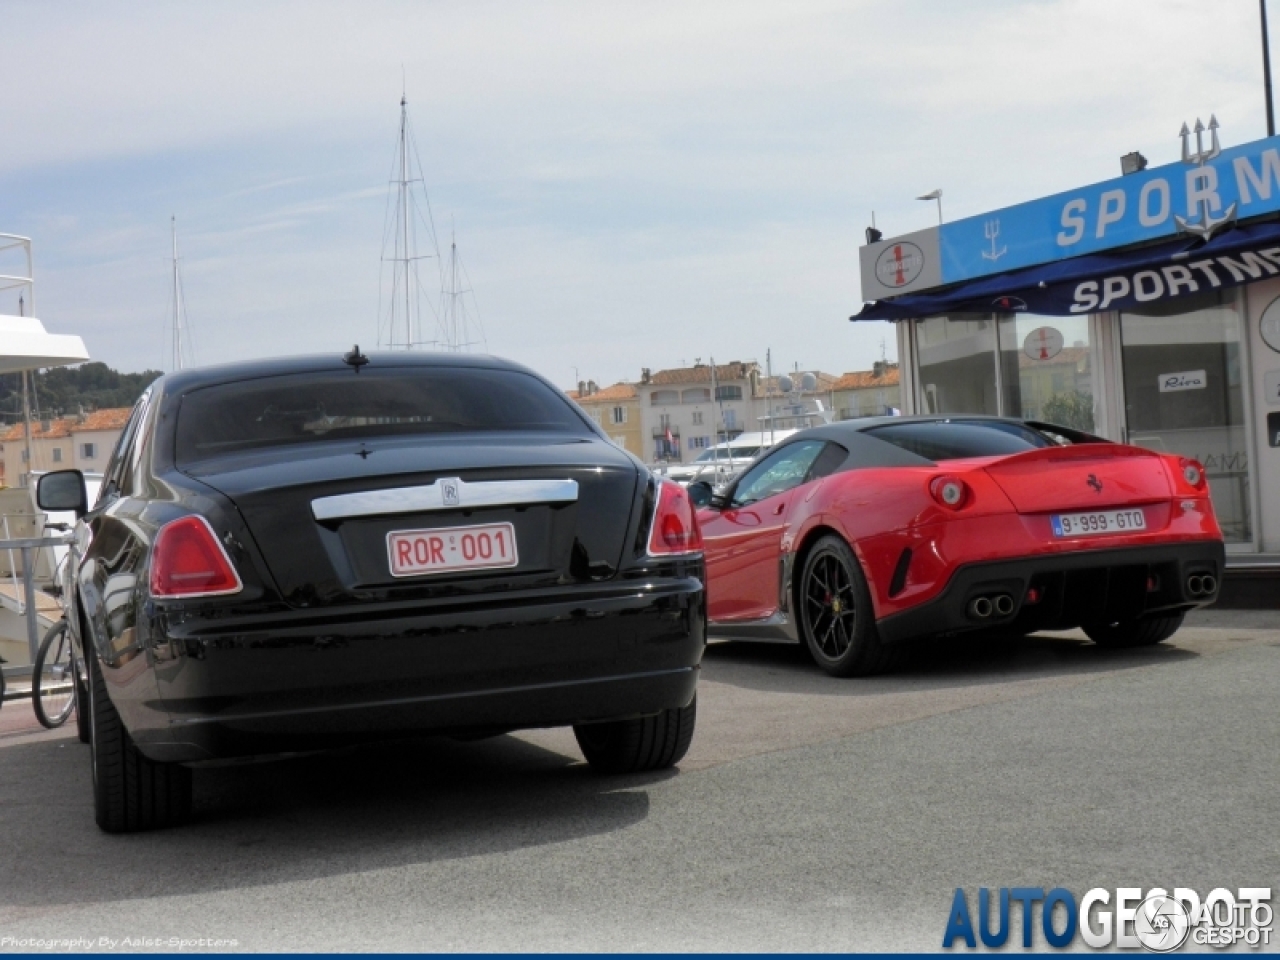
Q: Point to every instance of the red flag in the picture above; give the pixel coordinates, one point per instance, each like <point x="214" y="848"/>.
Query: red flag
<point x="669" y="437"/>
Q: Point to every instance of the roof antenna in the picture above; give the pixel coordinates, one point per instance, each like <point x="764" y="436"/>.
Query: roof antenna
<point x="355" y="358"/>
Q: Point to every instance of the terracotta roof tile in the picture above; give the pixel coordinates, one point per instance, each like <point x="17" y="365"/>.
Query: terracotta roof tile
<point x="619" y="391"/>
<point x="112" y="418"/>
<point x="863" y="379"/>
<point x="57" y="430"/>
<point x="736" y="370"/>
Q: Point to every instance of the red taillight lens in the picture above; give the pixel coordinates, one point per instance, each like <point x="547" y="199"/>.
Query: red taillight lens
<point x="188" y="561"/>
<point x="1192" y="473"/>
<point x="675" y="523"/>
<point x="950" y="492"/>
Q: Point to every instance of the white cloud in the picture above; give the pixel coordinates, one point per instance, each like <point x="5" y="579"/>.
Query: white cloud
<point x="633" y="184"/>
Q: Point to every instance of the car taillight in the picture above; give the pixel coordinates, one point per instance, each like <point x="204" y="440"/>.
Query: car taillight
<point x="675" y="523"/>
<point x="950" y="492"/>
<point x="1192" y="472"/>
<point x="188" y="561"/>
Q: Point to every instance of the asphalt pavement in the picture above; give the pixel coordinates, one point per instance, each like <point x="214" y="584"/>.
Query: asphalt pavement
<point x="811" y="813"/>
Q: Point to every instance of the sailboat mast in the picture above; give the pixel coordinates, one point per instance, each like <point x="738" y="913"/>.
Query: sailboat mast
<point x="455" y="342"/>
<point x="176" y="363"/>
<point x="404" y="216"/>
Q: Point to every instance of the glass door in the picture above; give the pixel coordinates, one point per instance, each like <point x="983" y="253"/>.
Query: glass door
<point x="957" y="365"/>
<point x="1183" y="393"/>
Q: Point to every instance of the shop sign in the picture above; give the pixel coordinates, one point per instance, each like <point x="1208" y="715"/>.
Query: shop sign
<point x="1271" y="386"/>
<point x="1269" y="325"/>
<point x="899" y="264"/>
<point x="1177" y="382"/>
<point x="1205" y="190"/>
<point x="1043" y="343"/>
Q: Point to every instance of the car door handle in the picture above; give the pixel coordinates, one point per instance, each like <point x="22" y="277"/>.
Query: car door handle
<point x="779" y="508"/>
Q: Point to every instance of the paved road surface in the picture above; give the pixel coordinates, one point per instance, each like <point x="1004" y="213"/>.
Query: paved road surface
<point x="811" y="813"/>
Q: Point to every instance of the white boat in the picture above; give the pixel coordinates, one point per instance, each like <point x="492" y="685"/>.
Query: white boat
<point x="718" y="464"/>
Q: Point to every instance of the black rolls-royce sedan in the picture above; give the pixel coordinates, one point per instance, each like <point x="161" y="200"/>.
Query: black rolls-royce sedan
<point x="302" y="553"/>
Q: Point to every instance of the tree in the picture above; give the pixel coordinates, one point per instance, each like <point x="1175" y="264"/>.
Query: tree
<point x="1074" y="409"/>
<point x="63" y="391"/>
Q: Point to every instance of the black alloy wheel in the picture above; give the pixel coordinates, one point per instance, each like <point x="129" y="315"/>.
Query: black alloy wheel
<point x="130" y="791"/>
<point x="836" y="619"/>
<point x="1135" y="633"/>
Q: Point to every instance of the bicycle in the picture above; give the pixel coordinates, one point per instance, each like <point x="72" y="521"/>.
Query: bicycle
<point x="55" y="692"/>
<point x="53" y="677"/>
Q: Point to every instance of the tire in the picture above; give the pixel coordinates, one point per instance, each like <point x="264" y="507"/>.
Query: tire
<point x="53" y="679"/>
<point x="130" y="792"/>
<point x="836" y="621"/>
<point x="1135" y="633"/>
<point x="633" y="746"/>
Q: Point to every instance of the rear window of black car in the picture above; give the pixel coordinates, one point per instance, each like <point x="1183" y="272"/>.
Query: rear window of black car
<point x="306" y="408"/>
<point x="955" y="439"/>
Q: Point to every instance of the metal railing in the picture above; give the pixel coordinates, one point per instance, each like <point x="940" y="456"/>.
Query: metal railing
<point x="29" y="546"/>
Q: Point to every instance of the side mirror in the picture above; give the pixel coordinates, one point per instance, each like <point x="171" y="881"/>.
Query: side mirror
<point x="63" y="490"/>
<point x="700" y="492"/>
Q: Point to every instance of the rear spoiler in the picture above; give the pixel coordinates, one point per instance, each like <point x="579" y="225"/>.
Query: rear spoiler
<point x="1067" y="433"/>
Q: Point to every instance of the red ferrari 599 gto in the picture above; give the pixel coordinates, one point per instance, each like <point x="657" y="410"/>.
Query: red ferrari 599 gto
<point x="854" y="536"/>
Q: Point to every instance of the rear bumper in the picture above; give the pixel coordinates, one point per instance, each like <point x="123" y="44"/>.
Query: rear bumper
<point x="244" y="689"/>
<point x="1075" y="589"/>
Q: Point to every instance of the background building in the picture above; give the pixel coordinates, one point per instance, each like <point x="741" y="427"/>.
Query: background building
<point x="867" y="393"/>
<point x="83" y="442"/>
<point x="681" y="417"/>
<point x="617" y="410"/>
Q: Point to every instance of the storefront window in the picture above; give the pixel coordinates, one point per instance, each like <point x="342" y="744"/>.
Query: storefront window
<point x="957" y="365"/>
<point x="1047" y="367"/>
<point x="1183" y="393"/>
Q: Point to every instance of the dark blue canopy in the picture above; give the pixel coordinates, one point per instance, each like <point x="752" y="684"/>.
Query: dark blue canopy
<point x="1115" y="280"/>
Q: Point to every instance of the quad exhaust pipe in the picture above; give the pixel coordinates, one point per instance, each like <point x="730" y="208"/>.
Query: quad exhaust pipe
<point x="1202" y="585"/>
<point x="998" y="605"/>
<point x="980" y="608"/>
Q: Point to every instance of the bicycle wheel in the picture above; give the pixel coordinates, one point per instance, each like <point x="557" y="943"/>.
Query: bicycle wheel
<point x="52" y="679"/>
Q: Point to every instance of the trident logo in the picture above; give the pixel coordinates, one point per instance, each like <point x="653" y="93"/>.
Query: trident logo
<point x="991" y="230"/>
<point x="1207" y="225"/>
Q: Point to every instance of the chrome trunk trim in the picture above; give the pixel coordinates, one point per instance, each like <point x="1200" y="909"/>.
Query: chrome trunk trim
<point x="447" y="493"/>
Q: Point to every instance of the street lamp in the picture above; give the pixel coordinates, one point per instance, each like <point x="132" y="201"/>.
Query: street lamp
<point x="934" y="195"/>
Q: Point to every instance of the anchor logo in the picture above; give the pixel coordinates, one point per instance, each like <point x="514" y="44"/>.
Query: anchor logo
<point x="1207" y="225"/>
<point x="991" y="230"/>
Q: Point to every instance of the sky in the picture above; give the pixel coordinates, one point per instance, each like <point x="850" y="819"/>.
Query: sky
<point x="630" y="184"/>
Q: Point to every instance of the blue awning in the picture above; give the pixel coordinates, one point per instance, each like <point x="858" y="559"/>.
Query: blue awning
<point x="1115" y="280"/>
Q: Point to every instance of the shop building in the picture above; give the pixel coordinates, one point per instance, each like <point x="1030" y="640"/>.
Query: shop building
<point x="1145" y="309"/>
